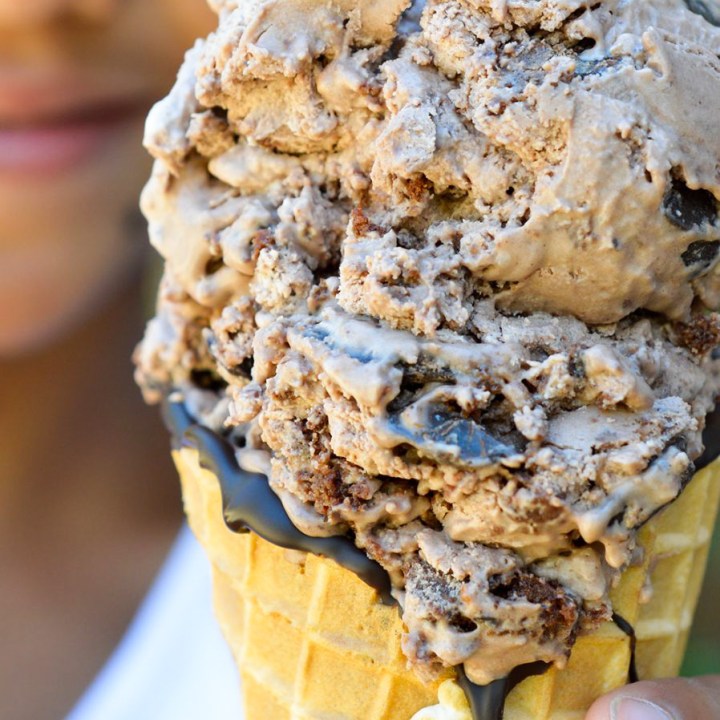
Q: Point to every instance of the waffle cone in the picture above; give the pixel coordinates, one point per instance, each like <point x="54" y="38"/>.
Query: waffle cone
<point x="312" y="641"/>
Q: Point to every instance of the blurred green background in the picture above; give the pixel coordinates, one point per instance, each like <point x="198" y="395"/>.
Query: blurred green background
<point x="703" y="652"/>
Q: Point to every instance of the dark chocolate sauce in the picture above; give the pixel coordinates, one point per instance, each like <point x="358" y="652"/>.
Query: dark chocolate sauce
<point x="690" y="209"/>
<point x="177" y="420"/>
<point x="487" y="702"/>
<point x="477" y="447"/>
<point x="711" y="439"/>
<point x="706" y="10"/>
<point x="629" y="630"/>
<point x="249" y="503"/>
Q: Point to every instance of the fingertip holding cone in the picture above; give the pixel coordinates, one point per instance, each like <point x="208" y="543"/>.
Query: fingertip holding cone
<point x="312" y="641"/>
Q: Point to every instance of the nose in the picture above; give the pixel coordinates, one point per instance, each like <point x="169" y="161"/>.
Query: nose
<point x="32" y="12"/>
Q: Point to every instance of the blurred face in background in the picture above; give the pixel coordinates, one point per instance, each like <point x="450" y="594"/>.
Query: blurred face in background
<point x="76" y="80"/>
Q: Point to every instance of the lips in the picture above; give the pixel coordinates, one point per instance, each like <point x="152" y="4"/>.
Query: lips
<point x="53" y="124"/>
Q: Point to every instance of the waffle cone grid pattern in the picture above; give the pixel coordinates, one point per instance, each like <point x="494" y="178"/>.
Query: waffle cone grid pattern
<point x="312" y="641"/>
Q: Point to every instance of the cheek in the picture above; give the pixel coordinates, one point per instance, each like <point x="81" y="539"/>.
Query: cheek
<point x="189" y="19"/>
<point x="29" y="12"/>
<point x="163" y="30"/>
<point x="67" y="243"/>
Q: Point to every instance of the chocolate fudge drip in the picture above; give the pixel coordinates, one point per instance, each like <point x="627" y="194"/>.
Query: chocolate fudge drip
<point x="629" y="630"/>
<point x="487" y="702"/>
<point x="250" y="504"/>
<point x="711" y="439"/>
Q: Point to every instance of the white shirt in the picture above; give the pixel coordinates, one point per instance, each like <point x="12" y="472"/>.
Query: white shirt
<point x="172" y="663"/>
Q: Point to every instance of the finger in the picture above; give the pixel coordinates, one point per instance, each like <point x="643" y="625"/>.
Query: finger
<point x="673" y="699"/>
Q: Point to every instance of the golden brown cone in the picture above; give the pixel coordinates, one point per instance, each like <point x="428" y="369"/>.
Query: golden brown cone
<point x="313" y="642"/>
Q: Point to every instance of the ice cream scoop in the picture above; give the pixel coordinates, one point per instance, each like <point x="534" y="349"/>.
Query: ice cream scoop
<point x="446" y="273"/>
